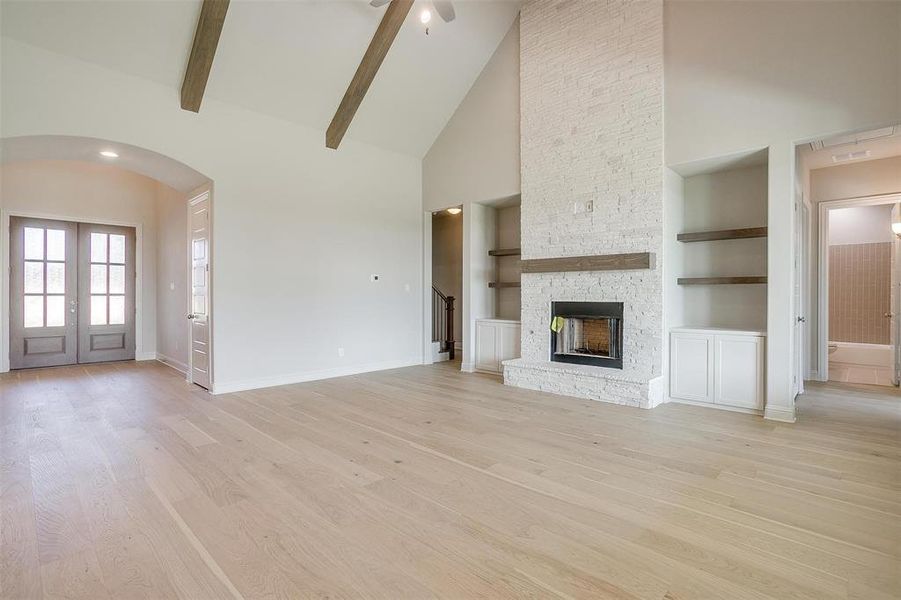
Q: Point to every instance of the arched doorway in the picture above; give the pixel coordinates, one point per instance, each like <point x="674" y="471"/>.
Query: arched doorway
<point x="102" y="183"/>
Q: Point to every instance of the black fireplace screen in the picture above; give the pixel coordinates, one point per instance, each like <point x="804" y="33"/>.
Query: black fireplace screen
<point x="588" y="333"/>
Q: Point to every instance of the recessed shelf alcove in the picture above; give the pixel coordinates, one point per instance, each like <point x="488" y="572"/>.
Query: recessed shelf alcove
<point x="716" y="242"/>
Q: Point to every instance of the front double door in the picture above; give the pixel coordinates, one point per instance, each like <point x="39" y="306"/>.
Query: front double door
<point x="72" y="293"/>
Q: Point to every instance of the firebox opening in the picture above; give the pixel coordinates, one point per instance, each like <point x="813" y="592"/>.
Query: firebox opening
<point x="587" y="333"/>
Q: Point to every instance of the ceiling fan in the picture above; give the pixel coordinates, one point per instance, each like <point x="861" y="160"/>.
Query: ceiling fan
<point x="444" y="8"/>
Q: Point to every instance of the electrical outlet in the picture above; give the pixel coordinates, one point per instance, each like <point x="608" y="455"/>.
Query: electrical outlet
<point x="589" y="206"/>
<point x="373" y="277"/>
<point x="340" y="352"/>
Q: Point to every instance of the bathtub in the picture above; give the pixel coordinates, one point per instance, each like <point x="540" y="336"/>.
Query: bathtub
<point x="874" y="355"/>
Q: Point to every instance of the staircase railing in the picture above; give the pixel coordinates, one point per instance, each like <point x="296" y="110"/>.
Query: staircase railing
<point x="443" y="321"/>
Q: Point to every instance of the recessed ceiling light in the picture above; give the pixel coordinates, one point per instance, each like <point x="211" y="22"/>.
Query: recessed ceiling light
<point x="425" y="16"/>
<point x="455" y="210"/>
<point x="108" y="154"/>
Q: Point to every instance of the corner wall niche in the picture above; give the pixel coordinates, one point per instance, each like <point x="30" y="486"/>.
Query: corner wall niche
<point x="507" y="263"/>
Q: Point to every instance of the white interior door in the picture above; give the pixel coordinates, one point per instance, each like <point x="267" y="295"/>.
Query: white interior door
<point x="43" y="324"/>
<point x="199" y="222"/>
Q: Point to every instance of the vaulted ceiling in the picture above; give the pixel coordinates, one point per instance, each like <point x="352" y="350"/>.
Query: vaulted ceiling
<point x="291" y="60"/>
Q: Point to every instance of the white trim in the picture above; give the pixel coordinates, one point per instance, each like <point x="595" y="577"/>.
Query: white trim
<point x="301" y="377"/>
<point x="172" y="363"/>
<point x="5" y="266"/>
<point x="823" y="209"/>
<point x="139" y="356"/>
<point x="656" y="392"/>
<point x="467" y="367"/>
<point x="779" y="413"/>
<point x="427" y="354"/>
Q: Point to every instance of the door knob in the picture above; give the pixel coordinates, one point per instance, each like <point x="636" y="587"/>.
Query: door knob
<point x="888" y="315"/>
<point x="192" y="316"/>
<point x="802" y="319"/>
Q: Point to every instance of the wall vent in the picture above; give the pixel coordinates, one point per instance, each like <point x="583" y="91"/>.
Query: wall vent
<point x="837" y="158"/>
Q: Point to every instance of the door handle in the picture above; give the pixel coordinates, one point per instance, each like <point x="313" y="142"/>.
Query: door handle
<point x="802" y="319"/>
<point x="888" y="315"/>
<point x="192" y="316"/>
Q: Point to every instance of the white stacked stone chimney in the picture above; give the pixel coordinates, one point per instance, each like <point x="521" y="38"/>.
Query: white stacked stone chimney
<point x="592" y="138"/>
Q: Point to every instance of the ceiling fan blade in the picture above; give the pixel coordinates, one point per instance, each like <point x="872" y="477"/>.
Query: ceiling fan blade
<point x="445" y="9"/>
<point x="378" y="3"/>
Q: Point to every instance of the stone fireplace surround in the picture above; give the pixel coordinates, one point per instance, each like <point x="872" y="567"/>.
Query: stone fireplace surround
<point x="591" y="99"/>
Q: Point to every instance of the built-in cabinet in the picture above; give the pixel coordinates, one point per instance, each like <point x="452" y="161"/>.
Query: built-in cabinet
<point x="497" y="340"/>
<point x="720" y="367"/>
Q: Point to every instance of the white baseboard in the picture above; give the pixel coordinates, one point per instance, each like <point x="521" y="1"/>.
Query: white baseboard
<point x="241" y="385"/>
<point x="145" y="355"/>
<point x="467" y="367"/>
<point x="171" y="362"/>
<point x="780" y="413"/>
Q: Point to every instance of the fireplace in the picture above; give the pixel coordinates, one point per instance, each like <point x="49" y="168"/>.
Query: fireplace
<point x="587" y="333"/>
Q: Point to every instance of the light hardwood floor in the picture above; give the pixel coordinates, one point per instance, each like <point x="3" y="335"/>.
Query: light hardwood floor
<point x="120" y="481"/>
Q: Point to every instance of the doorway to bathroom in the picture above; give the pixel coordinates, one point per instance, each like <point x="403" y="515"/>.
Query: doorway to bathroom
<point x="860" y="263"/>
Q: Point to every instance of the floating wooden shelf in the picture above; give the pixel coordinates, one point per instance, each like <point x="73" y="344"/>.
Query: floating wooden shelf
<point x="504" y="252"/>
<point x="604" y="262"/>
<point x="503" y="284"/>
<point x="723" y="234"/>
<point x="719" y="280"/>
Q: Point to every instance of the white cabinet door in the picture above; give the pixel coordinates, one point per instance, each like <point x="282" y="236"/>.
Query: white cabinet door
<point x="507" y="343"/>
<point x="738" y="364"/>
<point x="691" y="357"/>
<point x="486" y="347"/>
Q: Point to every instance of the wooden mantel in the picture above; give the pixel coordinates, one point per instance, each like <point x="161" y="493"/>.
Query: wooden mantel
<point x="603" y="262"/>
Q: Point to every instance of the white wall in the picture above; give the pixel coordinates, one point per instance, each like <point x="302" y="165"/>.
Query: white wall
<point x="855" y="180"/>
<point x="476" y="156"/>
<point x="740" y="74"/>
<point x="673" y="251"/>
<point x="297" y="228"/>
<point x="861" y="225"/>
<point x="447" y="262"/>
<point x="173" y="331"/>
<point x="91" y="193"/>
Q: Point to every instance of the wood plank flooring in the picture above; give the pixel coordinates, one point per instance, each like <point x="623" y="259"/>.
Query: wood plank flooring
<point x="121" y="481"/>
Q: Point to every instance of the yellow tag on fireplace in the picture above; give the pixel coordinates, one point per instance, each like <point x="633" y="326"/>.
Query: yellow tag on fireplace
<point x="556" y="324"/>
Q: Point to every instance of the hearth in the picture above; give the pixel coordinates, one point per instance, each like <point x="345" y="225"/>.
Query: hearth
<point x="587" y="333"/>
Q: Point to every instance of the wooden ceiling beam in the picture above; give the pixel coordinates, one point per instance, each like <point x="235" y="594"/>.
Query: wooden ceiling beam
<point x="381" y="42"/>
<point x="206" y="39"/>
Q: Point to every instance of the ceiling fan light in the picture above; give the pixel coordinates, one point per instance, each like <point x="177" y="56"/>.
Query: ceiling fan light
<point x="425" y="16"/>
